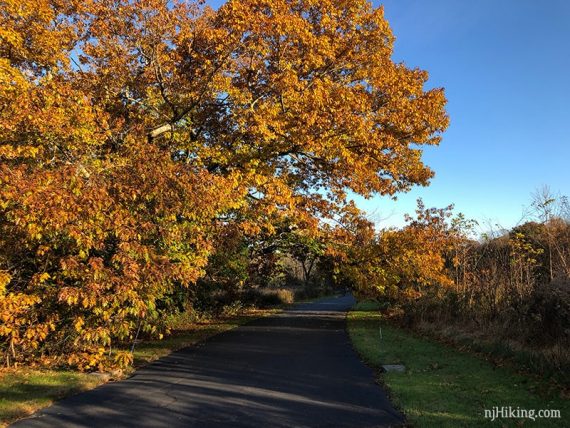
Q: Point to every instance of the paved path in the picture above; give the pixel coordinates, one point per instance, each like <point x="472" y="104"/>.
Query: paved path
<point x="293" y="369"/>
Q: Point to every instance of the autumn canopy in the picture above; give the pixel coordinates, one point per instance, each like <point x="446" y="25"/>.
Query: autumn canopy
<point x="136" y="134"/>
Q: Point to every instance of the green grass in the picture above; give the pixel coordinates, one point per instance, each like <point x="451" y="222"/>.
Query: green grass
<point x="24" y="391"/>
<point x="489" y="342"/>
<point x="444" y="387"/>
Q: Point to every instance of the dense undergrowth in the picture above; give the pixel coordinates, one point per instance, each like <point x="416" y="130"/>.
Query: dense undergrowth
<point x="504" y="294"/>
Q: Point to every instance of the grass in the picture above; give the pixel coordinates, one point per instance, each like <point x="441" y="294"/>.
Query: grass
<point x="445" y="387"/>
<point x="491" y="342"/>
<point x="24" y="391"/>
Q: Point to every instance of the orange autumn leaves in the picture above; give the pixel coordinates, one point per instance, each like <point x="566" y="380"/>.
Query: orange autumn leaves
<point x="131" y="132"/>
<point x="398" y="264"/>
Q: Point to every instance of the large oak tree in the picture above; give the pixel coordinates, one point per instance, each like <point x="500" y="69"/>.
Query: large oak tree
<point x="130" y="130"/>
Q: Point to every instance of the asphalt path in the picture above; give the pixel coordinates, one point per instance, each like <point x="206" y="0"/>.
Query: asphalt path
<point x="293" y="369"/>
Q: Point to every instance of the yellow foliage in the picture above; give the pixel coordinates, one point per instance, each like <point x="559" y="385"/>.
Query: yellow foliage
<point x="126" y="144"/>
<point x="396" y="264"/>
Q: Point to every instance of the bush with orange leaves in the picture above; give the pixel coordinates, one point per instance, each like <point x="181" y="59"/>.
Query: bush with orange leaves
<point x="396" y="264"/>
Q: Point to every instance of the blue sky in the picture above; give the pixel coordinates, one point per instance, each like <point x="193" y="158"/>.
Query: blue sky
<point x="505" y="65"/>
<point x="506" y="69"/>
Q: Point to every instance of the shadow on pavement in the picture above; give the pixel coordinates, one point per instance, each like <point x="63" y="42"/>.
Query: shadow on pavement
<point x="293" y="369"/>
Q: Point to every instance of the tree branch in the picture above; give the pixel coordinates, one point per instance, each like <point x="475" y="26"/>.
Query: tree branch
<point x="157" y="132"/>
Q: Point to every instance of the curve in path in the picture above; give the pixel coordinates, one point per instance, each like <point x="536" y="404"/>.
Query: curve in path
<point x="293" y="369"/>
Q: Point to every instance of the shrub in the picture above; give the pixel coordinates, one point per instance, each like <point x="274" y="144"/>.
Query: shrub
<point x="285" y="296"/>
<point x="548" y="317"/>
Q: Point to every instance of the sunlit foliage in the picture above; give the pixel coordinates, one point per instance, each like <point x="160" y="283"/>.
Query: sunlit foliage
<point x="131" y="131"/>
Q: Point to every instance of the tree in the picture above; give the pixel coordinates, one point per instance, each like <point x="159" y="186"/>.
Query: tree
<point x="132" y="130"/>
<point x="398" y="264"/>
<point x="552" y="211"/>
